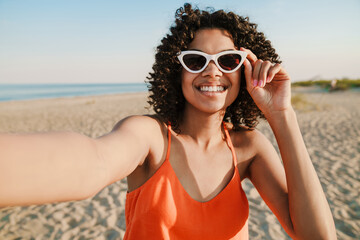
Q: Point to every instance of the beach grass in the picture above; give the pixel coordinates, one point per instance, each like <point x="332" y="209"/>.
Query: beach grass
<point x="301" y="103"/>
<point x="341" y="84"/>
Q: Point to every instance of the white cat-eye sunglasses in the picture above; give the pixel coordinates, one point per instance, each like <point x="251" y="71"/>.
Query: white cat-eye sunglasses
<point x="227" y="61"/>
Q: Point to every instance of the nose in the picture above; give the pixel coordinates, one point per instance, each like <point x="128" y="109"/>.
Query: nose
<point x="212" y="70"/>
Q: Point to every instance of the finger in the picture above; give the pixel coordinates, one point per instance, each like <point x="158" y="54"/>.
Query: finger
<point x="273" y="71"/>
<point x="248" y="74"/>
<point x="263" y="75"/>
<point x="256" y="72"/>
<point x="250" y="55"/>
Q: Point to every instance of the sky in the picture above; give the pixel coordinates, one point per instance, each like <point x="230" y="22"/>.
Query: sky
<point x="108" y="41"/>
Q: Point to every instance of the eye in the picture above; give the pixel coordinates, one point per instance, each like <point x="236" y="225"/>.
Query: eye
<point x="194" y="61"/>
<point x="229" y="61"/>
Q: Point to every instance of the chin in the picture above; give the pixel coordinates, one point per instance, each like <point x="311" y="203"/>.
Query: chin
<point x="211" y="109"/>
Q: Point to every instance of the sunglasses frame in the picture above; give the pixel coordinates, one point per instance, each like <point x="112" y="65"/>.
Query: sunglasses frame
<point x="210" y="57"/>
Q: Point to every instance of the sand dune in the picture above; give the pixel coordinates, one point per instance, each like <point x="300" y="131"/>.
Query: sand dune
<point x="330" y="125"/>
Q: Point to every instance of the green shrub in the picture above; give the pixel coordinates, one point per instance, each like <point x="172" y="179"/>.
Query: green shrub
<point x="341" y="84"/>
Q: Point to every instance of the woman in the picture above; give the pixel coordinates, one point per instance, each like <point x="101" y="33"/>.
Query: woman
<point x="213" y="77"/>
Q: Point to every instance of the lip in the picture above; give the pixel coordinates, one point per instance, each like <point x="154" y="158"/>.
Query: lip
<point x="211" y="89"/>
<point x="212" y="86"/>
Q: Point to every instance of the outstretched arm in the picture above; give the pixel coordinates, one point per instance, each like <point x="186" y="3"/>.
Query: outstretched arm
<point x="300" y="202"/>
<point x="53" y="167"/>
<point x="48" y="167"/>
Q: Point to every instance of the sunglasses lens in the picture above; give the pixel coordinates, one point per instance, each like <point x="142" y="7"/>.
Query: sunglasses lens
<point x="229" y="61"/>
<point x="194" y="61"/>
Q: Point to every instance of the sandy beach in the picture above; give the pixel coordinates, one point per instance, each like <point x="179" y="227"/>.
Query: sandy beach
<point x="330" y="123"/>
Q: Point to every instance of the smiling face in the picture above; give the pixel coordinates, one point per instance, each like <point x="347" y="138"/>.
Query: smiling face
<point x="211" y="90"/>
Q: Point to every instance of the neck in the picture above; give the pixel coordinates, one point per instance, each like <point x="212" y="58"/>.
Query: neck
<point x="204" y="128"/>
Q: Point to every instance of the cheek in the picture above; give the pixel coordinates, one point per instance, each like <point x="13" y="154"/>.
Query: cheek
<point x="236" y="81"/>
<point x="186" y="80"/>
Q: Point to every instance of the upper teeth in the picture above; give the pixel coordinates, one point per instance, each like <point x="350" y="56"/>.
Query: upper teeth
<point x="211" y="88"/>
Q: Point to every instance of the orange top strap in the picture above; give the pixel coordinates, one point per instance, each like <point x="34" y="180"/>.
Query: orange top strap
<point x="229" y="143"/>
<point x="169" y="141"/>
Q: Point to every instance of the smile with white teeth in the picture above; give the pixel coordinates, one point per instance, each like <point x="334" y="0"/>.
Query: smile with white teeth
<point x="211" y="88"/>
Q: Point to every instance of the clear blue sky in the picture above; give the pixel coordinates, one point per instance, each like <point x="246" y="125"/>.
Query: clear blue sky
<point x="88" y="41"/>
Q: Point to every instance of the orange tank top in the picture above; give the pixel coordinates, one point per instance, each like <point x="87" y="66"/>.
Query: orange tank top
<point x="162" y="209"/>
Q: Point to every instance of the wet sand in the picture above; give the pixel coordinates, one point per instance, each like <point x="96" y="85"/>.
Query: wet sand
<point x="330" y="123"/>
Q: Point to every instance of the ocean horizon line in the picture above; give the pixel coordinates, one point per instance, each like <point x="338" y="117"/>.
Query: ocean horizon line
<point x="32" y="91"/>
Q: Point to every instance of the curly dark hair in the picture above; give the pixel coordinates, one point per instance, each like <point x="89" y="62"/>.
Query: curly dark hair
<point x="166" y="95"/>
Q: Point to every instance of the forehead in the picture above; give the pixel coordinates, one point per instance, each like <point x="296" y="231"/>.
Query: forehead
<point x="212" y="41"/>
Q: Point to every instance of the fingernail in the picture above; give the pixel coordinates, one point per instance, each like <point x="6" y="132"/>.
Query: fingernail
<point x="260" y="83"/>
<point x="255" y="83"/>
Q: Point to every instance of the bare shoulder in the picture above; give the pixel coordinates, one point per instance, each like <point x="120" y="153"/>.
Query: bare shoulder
<point x="131" y="142"/>
<point x="249" y="145"/>
<point x="146" y="128"/>
<point x="139" y="123"/>
<point x="153" y="133"/>
<point x="249" y="140"/>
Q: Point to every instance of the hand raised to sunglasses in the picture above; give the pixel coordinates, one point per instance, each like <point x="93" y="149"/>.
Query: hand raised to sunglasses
<point x="268" y="84"/>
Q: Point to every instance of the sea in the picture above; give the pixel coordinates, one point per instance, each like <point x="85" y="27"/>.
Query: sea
<point x="14" y="92"/>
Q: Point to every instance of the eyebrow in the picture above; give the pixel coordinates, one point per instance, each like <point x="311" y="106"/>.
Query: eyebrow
<point x="194" y="49"/>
